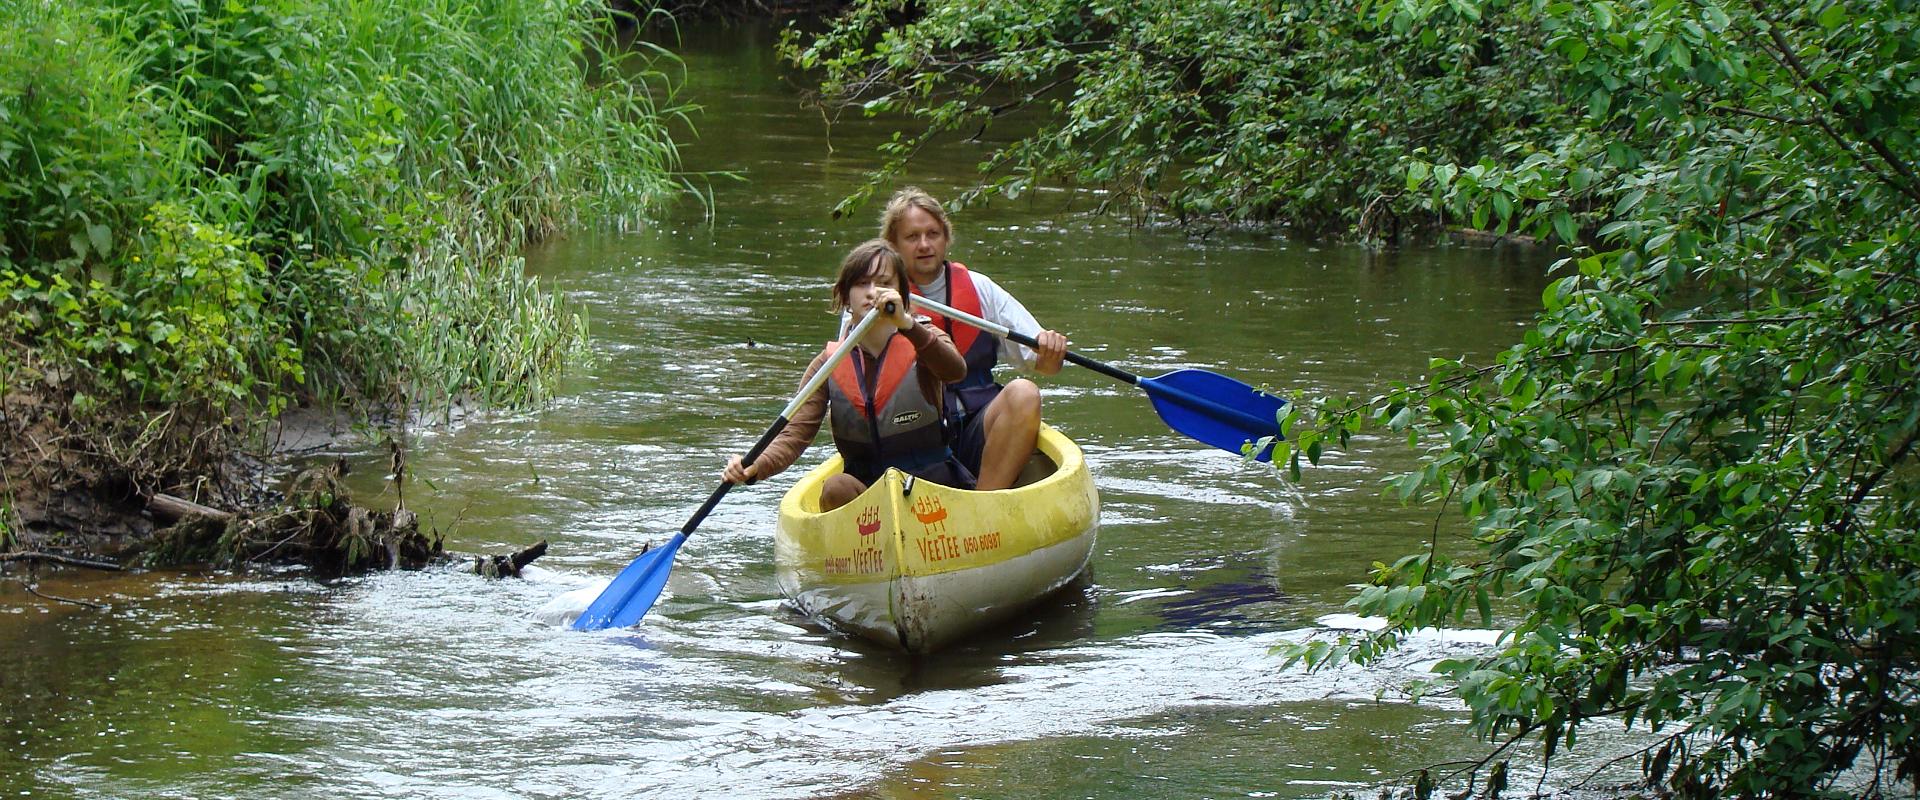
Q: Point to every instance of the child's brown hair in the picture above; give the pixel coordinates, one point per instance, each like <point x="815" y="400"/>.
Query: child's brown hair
<point x="860" y="263"/>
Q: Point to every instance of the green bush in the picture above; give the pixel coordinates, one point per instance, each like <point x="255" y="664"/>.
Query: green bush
<point x="1202" y="110"/>
<point x="84" y="148"/>
<point x="235" y="205"/>
<point x="186" y="321"/>
<point x="1691" y="491"/>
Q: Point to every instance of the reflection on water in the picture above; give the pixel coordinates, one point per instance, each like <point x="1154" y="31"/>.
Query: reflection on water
<point x="1226" y="605"/>
<point x="1151" y="678"/>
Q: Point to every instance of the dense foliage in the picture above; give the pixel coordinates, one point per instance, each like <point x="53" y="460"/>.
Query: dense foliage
<point x="1201" y="109"/>
<point x="1691" y="492"/>
<point x="209" y="210"/>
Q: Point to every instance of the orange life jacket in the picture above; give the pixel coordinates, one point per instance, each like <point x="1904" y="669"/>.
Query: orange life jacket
<point x="881" y="419"/>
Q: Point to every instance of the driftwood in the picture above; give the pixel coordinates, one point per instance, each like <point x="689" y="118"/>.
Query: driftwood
<point x="508" y="566"/>
<point x="168" y="508"/>
<point x="35" y="591"/>
<point x="55" y="558"/>
<point x="318" y="526"/>
<point x="1478" y="236"/>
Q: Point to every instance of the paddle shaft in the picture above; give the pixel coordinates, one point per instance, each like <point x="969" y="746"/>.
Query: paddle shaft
<point x="1011" y="335"/>
<point x="1212" y="408"/>
<point x="848" y="345"/>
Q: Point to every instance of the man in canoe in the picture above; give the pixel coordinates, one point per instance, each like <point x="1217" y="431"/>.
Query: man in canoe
<point x="885" y="401"/>
<point x="992" y="428"/>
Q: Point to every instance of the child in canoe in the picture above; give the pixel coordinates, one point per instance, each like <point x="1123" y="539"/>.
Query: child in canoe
<point x="884" y="401"/>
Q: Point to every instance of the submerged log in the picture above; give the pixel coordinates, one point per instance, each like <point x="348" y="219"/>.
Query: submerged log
<point x="508" y="566"/>
<point x="66" y="561"/>
<point x="319" y="527"/>
<point x="1477" y="236"/>
<point x="168" y="508"/>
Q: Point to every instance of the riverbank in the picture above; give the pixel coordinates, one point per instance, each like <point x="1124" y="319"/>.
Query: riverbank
<point x="217" y="215"/>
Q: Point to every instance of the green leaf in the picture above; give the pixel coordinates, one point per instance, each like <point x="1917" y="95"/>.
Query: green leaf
<point x="1603" y="15"/>
<point x="1417" y="172"/>
<point x="1575" y="50"/>
<point x="101" y="239"/>
<point x="1563" y="226"/>
<point x="1553" y="298"/>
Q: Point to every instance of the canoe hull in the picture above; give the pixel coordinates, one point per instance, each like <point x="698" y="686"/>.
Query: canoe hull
<point x="916" y="566"/>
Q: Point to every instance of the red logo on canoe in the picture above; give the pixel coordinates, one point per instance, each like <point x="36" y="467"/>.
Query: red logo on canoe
<point x="868" y="521"/>
<point x="930" y="512"/>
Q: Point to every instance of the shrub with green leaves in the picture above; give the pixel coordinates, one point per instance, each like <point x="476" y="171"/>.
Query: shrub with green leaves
<point x="233" y="205"/>
<point x="1695" y="477"/>
<point x="84" y="148"/>
<point x="1690" y="492"/>
<point x="1203" y="110"/>
<point x="186" y="322"/>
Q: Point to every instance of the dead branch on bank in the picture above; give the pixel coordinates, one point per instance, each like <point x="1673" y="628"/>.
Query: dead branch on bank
<point x="168" y="508"/>
<point x="34" y="556"/>
<point x="319" y="527"/>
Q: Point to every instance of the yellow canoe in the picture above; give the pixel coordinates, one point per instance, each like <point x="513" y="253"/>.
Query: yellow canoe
<point x="915" y="565"/>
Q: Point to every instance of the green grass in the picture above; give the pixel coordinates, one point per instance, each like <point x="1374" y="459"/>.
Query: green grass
<point x="223" y="208"/>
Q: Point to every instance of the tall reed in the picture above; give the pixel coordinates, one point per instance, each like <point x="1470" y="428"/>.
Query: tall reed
<point x="234" y="206"/>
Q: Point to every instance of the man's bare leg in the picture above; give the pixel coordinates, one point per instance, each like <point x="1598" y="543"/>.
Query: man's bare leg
<point x="1011" y="426"/>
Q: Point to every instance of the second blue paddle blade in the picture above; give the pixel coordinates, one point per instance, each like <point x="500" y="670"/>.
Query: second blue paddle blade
<point x="633" y="591"/>
<point x="1215" y="409"/>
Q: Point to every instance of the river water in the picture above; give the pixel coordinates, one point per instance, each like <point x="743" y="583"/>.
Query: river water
<point x="1154" y="679"/>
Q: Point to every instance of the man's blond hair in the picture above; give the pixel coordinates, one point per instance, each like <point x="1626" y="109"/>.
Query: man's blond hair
<point x="908" y="198"/>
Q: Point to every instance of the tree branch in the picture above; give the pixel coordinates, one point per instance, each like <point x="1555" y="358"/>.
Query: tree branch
<point x="55" y="558"/>
<point x="1908" y="184"/>
<point x="56" y="598"/>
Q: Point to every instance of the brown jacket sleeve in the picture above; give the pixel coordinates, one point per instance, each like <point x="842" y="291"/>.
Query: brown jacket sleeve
<point x="801" y="428"/>
<point x="940" y="362"/>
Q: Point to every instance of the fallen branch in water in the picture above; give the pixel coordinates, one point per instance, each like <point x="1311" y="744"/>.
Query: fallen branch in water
<point x="54" y="558"/>
<point x="44" y="596"/>
<point x="508" y="566"/>
<point x="318" y="526"/>
<point x="173" y="509"/>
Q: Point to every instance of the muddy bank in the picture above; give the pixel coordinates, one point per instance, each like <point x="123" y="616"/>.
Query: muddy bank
<point x="316" y="525"/>
<point x="158" y="489"/>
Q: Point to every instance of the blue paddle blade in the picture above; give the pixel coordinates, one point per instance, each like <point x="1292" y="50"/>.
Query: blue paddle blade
<point x="633" y="591"/>
<point x="1215" y="409"/>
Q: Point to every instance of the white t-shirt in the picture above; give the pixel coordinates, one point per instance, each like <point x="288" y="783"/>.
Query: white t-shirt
<point x="996" y="306"/>
<point x="999" y="307"/>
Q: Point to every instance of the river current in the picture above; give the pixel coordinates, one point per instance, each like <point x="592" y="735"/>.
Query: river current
<point x="1153" y="678"/>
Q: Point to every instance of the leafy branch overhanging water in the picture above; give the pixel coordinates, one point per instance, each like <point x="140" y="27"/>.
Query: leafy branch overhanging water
<point x="1693" y="482"/>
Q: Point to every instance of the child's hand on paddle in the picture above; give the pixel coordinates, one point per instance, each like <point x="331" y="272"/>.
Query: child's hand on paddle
<point x="883" y="299"/>
<point x="735" y="473"/>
